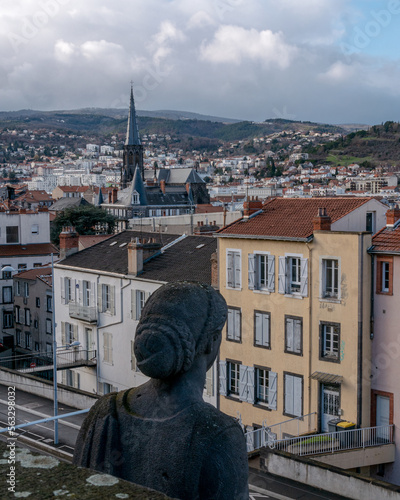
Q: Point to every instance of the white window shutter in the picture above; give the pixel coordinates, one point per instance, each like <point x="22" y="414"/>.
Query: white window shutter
<point x="289" y="394"/>
<point x="272" y="390"/>
<point x="74" y="291"/>
<point x="265" y="330"/>
<point x="229" y="269"/>
<point x="304" y="278"/>
<point x="100" y="297"/>
<point x="112" y="299"/>
<point x="80" y="292"/>
<point x="243" y="383"/>
<point x="238" y="269"/>
<point x="92" y="296"/>
<point x="62" y="287"/>
<point x="237" y="315"/>
<point x="258" y="328"/>
<point x="230" y="324"/>
<point x="271" y="273"/>
<point x="75" y="332"/>
<point x="63" y="341"/>
<point x="282" y="275"/>
<point x="297" y="396"/>
<point x="133" y="304"/>
<point x="297" y="335"/>
<point x="222" y="378"/>
<point x="133" y="358"/>
<point x="252" y="271"/>
<point x="138" y="304"/>
<point x="250" y="385"/>
<point x="289" y="334"/>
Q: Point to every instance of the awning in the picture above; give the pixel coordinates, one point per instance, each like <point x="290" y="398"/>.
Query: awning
<point x="327" y="378"/>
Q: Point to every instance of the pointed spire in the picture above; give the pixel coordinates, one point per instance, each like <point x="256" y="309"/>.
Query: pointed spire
<point x="100" y="199"/>
<point x="139" y="187"/>
<point x="132" y="132"/>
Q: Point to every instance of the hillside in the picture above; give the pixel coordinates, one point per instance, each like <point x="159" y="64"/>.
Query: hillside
<point x="380" y="145"/>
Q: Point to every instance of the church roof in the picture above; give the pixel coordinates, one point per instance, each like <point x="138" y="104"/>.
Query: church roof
<point x="137" y="186"/>
<point x="175" y="175"/>
<point x="132" y="133"/>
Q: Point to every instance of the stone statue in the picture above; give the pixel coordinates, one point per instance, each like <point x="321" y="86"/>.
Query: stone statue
<point x="162" y="434"/>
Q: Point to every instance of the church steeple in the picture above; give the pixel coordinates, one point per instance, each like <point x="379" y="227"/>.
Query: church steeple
<point x="133" y="148"/>
<point x="132" y="132"/>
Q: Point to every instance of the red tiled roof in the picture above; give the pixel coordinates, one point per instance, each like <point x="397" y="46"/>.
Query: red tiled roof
<point x="207" y="209"/>
<point x="26" y="250"/>
<point x="42" y="273"/>
<point x="387" y="240"/>
<point x="292" y="217"/>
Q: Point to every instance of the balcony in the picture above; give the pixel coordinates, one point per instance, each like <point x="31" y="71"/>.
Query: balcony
<point x="83" y="313"/>
<point x="67" y="358"/>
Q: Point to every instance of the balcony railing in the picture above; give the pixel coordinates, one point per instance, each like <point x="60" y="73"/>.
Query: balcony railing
<point x="84" y="313"/>
<point x="331" y="442"/>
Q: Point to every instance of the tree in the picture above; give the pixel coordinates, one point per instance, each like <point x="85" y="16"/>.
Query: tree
<point x="85" y="219"/>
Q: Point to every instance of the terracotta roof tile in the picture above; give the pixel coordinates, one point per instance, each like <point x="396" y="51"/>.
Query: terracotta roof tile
<point x="292" y="217"/>
<point x="387" y="240"/>
<point x="26" y="250"/>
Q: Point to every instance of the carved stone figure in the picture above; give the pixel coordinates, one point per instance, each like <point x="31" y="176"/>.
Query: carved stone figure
<point x="162" y="434"/>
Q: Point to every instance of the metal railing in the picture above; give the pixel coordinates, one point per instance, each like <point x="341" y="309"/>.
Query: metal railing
<point x="269" y="435"/>
<point x="84" y="313"/>
<point x="331" y="442"/>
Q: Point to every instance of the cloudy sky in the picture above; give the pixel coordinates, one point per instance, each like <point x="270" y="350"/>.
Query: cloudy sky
<point x="333" y="61"/>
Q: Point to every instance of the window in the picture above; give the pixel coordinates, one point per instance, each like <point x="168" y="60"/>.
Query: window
<point x="27" y="340"/>
<point x="330" y="278"/>
<point x="72" y="379"/>
<point x="17" y="288"/>
<point x="107" y="388"/>
<point x="35" y="228"/>
<point x="233" y="325"/>
<point x="330" y="341"/>
<point x="135" y="198"/>
<point x="86" y="293"/>
<point x="262" y="322"/>
<point x="6" y="275"/>
<point x="134" y="366"/>
<point x="370" y="222"/>
<point x="36" y="323"/>
<point x="107" y="345"/>
<point x="293" y="276"/>
<point x="293" y="390"/>
<point x="37" y="346"/>
<point x="233" y="269"/>
<point x="12" y="234"/>
<point x="18" y="337"/>
<point x="138" y="302"/>
<point x="37" y="264"/>
<point x="8" y="319"/>
<point x="27" y="317"/>
<point x="262" y="272"/>
<point x="69" y="333"/>
<point x="107" y="299"/>
<point x="37" y="301"/>
<point x="17" y="314"/>
<point x="26" y="289"/>
<point x="384" y="275"/>
<point x="49" y="348"/>
<point x="293" y="335"/>
<point x="7" y="295"/>
<point x="233" y="378"/>
<point x="49" y="326"/>
<point x="21" y="267"/>
<point x="49" y="303"/>
<point x="68" y="290"/>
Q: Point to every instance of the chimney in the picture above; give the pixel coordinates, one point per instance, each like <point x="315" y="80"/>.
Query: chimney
<point x="135" y="257"/>
<point x="392" y="216"/>
<point x="322" y="222"/>
<point x="114" y="195"/>
<point x="251" y="206"/>
<point x="69" y="242"/>
<point x="162" y="185"/>
<point x="214" y="270"/>
<point x="109" y="197"/>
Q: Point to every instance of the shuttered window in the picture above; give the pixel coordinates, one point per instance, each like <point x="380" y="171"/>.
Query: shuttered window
<point x="261" y="270"/>
<point x="233" y="326"/>
<point x="107" y="347"/>
<point x="293" y="276"/>
<point x="293" y="387"/>
<point x="233" y="269"/>
<point x="293" y="335"/>
<point x="262" y="329"/>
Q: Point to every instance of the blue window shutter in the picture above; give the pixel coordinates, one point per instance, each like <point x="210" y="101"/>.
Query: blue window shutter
<point x="237" y="316"/>
<point x="272" y="390"/>
<point x="289" y="334"/>
<point x="230" y="324"/>
<point x="271" y="273"/>
<point x="296" y="335"/>
<point x="243" y="383"/>
<point x="265" y="330"/>
<point x="250" y="385"/>
<point x="229" y="269"/>
<point x="258" y="328"/>
<point x="138" y="304"/>
<point x="304" y="278"/>
<point x="222" y="378"/>
<point x="289" y="394"/>
<point x="282" y="275"/>
<point x="297" y="396"/>
<point x="238" y="269"/>
<point x="252" y="271"/>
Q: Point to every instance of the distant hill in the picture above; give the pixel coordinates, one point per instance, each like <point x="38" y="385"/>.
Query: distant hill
<point x="379" y="145"/>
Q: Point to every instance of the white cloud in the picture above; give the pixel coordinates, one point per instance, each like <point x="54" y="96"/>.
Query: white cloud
<point x="233" y="44"/>
<point x="339" y="72"/>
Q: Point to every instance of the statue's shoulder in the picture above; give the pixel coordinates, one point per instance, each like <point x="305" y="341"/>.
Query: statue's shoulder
<point x="109" y="405"/>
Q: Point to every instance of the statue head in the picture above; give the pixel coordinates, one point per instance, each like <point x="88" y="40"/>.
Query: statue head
<point x="179" y="322"/>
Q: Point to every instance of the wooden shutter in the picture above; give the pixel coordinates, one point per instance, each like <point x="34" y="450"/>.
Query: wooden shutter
<point x="63" y="338"/>
<point x="297" y="396"/>
<point x="229" y="269"/>
<point x="271" y="273"/>
<point x="138" y="304"/>
<point x="133" y="358"/>
<point x="282" y="275"/>
<point x="210" y="381"/>
<point x="112" y="299"/>
<point x="100" y="297"/>
<point x="265" y="330"/>
<point x="92" y="300"/>
<point x="237" y="316"/>
<point x="222" y="378"/>
<point x="62" y="287"/>
<point x="238" y="270"/>
<point x="272" y="390"/>
<point x="289" y="394"/>
<point x="74" y="333"/>
<point x="289" y="334"/>
<point x="258" y="328"/>
<point x="250" y="385"/>
<point x="79" y="292"/>
<point x="252" y="271"/>
<point x="243" y="382"/>
<point x="230" y="324"/>
<point x="297" y="335"/>
<point x="304" y="278"/>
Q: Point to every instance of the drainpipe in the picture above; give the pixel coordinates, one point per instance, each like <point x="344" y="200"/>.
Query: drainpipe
<point x="360" y="328"/>
<point x="310" y="328"/>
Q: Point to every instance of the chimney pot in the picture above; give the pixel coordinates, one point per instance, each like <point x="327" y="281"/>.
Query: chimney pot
<point x="392" y="216"/>
<point x="322" y="222"/>
<point x="135" y="257"/>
